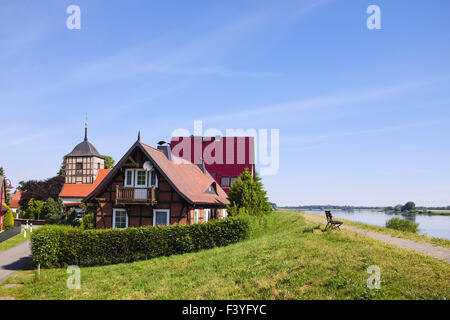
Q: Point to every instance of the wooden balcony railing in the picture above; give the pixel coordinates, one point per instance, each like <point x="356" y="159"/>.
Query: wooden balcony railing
<point x="126" y="195"/>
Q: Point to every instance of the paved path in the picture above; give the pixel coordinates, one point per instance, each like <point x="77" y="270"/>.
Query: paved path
<point x="14" y="259"/>
<point x="421" y="247"/>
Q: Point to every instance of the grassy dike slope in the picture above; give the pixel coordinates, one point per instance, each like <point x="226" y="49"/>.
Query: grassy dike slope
<point x="285" y="259"/>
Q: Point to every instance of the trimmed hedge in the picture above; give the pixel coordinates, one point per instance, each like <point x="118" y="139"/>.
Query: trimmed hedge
<point x="59" y="246"/>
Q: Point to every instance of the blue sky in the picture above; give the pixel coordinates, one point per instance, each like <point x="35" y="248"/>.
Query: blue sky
<point x="364" y="115"/>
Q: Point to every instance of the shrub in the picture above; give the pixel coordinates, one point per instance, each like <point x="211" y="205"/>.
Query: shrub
<point x="87" y="222"/>
<point x="402" y="225"/>
<point x="8" y="219"/>
<point x="58" y="246"/>
<point x="52" y="210"/>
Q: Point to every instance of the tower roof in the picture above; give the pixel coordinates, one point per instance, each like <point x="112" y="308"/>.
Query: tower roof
<point x="84" y="149"/>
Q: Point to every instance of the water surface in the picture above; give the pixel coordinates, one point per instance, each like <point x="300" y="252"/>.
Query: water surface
<point x="433" y="226"/>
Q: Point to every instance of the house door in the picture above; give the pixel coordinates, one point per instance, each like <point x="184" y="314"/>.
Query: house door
<point x="140" y="191"/>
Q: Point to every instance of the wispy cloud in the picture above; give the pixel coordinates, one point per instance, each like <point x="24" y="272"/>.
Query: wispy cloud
<point x="21" y="140"/>
<point x="368" y="132"/>
<point x="327" y="101"/>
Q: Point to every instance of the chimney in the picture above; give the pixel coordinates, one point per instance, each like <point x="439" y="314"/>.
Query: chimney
<point x="167" y="151"/>
<point x="201" y="165"/>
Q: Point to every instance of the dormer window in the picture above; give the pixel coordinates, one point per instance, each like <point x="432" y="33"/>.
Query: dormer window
<point x="212" y="188"/>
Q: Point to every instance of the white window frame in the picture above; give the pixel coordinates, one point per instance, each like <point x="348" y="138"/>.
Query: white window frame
<point x="208" y="216"/>
<point x="224" y="213"/>
<point x="136" y="171"/>
<point x="167" y="216"/>
<point x="196" y="214"/>
<point x="149" y="179"/>
<point x="114" y="218"/>
<point x="132" y="178"/>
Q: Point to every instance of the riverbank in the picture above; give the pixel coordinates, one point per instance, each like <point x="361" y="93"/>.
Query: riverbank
<point x="394" y="233"/>
<point x="420" y="212"/>
<point x="288" y="257"/>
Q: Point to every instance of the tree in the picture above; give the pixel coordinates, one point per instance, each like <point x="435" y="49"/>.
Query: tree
<point x="109" y="162"/>
<point x="248" y="196"/>
<point x="398" y="208"/>
<point x="52" y="208"/>
<point x="8" y="219"/>
<point x="34" y="209"/>
<point x="62" y="168"/>
<point x="409" y="206"/>
<point x="41" y="190"/>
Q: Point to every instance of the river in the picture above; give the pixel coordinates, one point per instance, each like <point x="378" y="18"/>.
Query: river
<point x="433" y="226"/>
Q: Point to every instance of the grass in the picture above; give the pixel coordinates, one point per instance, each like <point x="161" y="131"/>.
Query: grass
<point x="439" y="212"/>
<point x="288" y="257"/>
<point x="392" y="232"/>
<point x="13" y="241"/>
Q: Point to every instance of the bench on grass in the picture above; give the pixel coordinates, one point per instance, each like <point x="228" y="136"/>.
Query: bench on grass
<point x="332" y="224"/>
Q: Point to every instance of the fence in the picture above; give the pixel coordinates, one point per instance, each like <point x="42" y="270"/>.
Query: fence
<point x="34" y="222"/>
<point x="5" y="235"/>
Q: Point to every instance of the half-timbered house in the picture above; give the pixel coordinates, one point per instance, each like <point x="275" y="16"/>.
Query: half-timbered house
<point x="149" y="186"/>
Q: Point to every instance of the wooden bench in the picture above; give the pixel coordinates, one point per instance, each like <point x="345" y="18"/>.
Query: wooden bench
<point x="332" y="224"/>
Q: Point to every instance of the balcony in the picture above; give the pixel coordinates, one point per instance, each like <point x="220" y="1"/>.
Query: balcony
<point x="130" y="195"/>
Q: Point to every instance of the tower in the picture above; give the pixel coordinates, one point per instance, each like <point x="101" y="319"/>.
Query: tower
<point x="83" y="163"/>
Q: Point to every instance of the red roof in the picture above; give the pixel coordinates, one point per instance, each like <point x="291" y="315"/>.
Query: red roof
<point x="76" y="190"/>
<point x="15" y="198"/>
<point x="185" y="177"/>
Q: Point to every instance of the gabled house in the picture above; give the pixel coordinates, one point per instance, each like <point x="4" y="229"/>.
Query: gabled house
<point x="73" y="193"/>
<point x="15" y="200"/>
<point x="149" y="186"/>
<point x="224" y="157"/>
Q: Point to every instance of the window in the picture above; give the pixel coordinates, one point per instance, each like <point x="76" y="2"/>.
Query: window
<point x="98" y="165"/>
<point x="161" y="217"/>
<point x="224" y="213"/>
<point x="120" y="219"/>
<point x="225" y="182"/>
<point x="211" y="189"/>
<point x="196" y="216"/>
<point x="153" y="179"/>
<point x="79" y="166"/>
<point x="232" y="180"/>
<point x="141" y="178"/>
<point x="206" y="215"/>
<point x="128" y="178"/>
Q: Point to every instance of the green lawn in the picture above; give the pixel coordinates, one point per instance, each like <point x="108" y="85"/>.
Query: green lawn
<point x="11" y="242"/>
<point x="287" y="258"/>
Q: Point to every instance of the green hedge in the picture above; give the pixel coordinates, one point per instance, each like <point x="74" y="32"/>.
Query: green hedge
<point x="58" y="246"/>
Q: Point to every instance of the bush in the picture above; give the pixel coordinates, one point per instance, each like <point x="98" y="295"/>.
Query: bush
<point x="87" y="222"/>
<point x="8" y="219"/>
<point x="59" y="246"/>
<point x="402" y="225"/>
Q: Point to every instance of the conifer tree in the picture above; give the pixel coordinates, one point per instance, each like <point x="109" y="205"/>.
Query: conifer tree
<point x="247" y="196"/>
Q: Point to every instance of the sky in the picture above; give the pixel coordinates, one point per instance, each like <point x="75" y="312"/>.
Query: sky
<point x="363" y="115"/>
